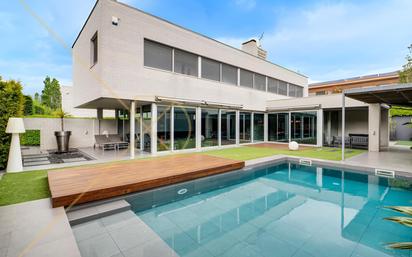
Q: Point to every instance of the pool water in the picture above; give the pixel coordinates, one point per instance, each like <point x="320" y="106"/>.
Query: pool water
<point x="286" y="210"/>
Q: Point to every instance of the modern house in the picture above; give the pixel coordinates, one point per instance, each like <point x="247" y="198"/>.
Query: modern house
<point x="337" y="86"/>
<point x="186" y="91"/>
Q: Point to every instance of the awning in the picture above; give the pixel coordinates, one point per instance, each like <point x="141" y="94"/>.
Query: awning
<point x="396" y="94"/>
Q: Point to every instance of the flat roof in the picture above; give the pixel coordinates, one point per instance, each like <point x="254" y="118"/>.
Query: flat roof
<point x="378" y="76"/>
<point x="174" y="24"/>
<point x="395" y="94"/>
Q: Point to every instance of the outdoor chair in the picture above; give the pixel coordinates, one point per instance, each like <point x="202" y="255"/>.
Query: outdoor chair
<point x="359" y="141"/>
<point x="117" y="140"/>
<point x="103" y="142"/>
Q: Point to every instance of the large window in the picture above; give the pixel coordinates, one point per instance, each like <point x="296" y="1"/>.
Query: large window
<point x="184" y="127"/>
<point x="229" y="74"/>
<point x="157" y="55"/>
<point x="210" y="69"/>
<point x="228" y="127"/>
<point x="260" y="82"/>
<point x="94" y="49"/>
<point x="299" y="91"/>
<point x="272" y="85"/>
<point x="258" y="127"/>
<point x="186" y="63"/>
<point x="295" y="91"/>
<point x="303" y="127"/>
<point x="209" y="136"/>
<point x="278" y="127"/>
<point x="283" y="88"/>
<point x="246" y="78"/>
<point x="163" y="128"/>
<point x="244" y="127"/>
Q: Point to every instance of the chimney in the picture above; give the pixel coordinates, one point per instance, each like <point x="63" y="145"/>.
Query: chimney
<point x="253" y="47"/>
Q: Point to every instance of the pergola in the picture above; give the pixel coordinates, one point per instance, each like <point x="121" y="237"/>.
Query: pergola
<point x="396" y="94"/>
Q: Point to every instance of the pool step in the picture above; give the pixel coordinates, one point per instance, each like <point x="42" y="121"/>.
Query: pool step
<point x="81" y="215"/>
<point x="305" y="162"/>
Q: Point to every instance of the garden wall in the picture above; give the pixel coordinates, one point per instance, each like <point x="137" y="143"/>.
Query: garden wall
<point x="83" y="130"/>
<point x="399" y="131"/>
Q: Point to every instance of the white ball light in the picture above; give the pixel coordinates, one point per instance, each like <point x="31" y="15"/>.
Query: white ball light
<point x="293" y="146"/>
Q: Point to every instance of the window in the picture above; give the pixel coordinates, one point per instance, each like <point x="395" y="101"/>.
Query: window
<point x="186" y="63"/>
<point x="283" y="88"/>
<point x="244" y="127"/>
<point x="229" y="74"/>
<point x="321" y="92"/>
<point x="209" y="129"/>
<point x="184" y="128"/>
<point x="246" y="78"/>
<point x="278" y="127"/>
<point x="272" y="85"/>
<point x="299" y="91"/>
<point x="260" y="82"/>
<point x="157" y="55"/>
<point x="163" y="128"/>
<point x="210" y="69"/>
<point x="292" y="90"/>
<point x="258" y="127"/>
<point x="228" y="127"/>
<point x="94" y="50"/>
<point x="303" y="127"/>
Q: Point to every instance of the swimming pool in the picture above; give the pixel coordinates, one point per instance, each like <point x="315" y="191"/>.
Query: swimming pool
<point x="279" y="210"/>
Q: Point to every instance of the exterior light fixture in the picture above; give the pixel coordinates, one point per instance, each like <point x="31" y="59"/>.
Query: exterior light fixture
<point x="15" y="126"/>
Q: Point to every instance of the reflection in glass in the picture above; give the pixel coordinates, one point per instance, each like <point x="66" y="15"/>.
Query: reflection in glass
<point x="278" y="127"/>
<point x="303" y="127"/>
<point x="184" y="128"/>
<point x="244" y="127"/>
<point x="258" y="127"/>
<point x="163" y="128"/>
<point x="209" y="135"/>
<point x="228" y="127"/>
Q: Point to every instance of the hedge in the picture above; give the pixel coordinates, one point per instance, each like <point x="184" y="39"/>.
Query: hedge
<point x="400" y="111"/>
<point x="30" y="138"/>
<point x="28" y="105"/>
<point x="11" y="105"/>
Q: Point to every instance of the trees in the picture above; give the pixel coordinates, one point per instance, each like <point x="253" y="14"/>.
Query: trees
<point x="28" y="105"/>
<point x="11" y="105"/>
<point x="405" y="75"/>
<point x="51" y="94"/>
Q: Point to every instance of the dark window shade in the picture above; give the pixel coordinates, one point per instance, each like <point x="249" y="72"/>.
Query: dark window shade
<point x="210" y="69"/>
<point x="229" y="74"/>
<point x="260" y="82"/>
<point x="157" y="55"/>
<point x="186" y="63"/>
<point x="246" y="78"/>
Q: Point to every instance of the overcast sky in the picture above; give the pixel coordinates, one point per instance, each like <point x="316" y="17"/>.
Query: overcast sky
<point x="324" y="40"/>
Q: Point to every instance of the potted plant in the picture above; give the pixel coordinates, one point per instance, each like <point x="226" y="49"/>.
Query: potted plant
<point x="62" y="137"/>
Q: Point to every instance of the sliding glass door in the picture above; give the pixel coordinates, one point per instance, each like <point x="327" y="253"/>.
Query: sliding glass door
<point x="245" y="127"/>
<point x="278" y="127"/>
<point x="228" y="127"/>
<point x="209" y="131"/>
<point x="258" y="127"/>
<point x="303" y="127"/>
<point x="184" y="127"/>
<point x="163" y="128"/>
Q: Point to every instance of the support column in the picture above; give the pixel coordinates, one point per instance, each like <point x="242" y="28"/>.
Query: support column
<point x="198" y="129"/>
<point x="319" y="128"/>
<point x="252" y="127"/>
<point x="153" y="131"/>
<point x="141" y="129"/>
<point x="343" y="126"/>
<point x="329" y="128"/>
<point x="99" y="118"/>
<point x="237" y="127"/>
<point x="374" y="119"/>
<point x="132" y="128"/>
<point x="384" y="128"/>
<point x="265" y="127"/>
<point x="219" y="128"/>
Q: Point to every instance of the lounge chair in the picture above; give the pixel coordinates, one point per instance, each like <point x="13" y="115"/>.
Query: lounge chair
<point x="103" y="142"/>
<point x="117" y="140"/>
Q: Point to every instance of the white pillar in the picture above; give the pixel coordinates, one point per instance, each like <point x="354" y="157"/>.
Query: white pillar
<point x="141" y="129"/>
<point x="132" y="128"/>
<point x="384" y="128"/>
<point x="319" y="127"/>
<point x="198" y="129"/>
<point x="153" y="132"/>
<point x="172" y="128"/>
<point x="343" y="126"/>
<point x="374" y="119"/>
<point x="265" y="127"/>
<point x="252" y="127"/>
<point x="219" y="128"/>
<point x="329" y="128"/>
<point x="237" y="127"/>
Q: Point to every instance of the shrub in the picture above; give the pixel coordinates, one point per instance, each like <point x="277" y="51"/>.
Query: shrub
<point x="28" y="105"/>
<point x="30" y="138"/>
<point x="40" y="109"/>
<point x="400" y="111"/>
<point x="11" y="105"/>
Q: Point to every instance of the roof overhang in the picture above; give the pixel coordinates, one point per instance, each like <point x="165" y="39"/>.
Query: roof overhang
<point x="396" y="94"/>
<point x="111" y="103"/>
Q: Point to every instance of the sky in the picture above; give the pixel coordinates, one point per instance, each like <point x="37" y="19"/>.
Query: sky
<point x="324" y="40"/>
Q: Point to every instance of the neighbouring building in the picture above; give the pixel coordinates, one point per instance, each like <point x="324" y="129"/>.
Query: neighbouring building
<point x="177" y="90"/>
<point x="336" y="86"/>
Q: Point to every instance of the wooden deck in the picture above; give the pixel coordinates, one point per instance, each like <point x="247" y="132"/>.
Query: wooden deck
<point x="90" y="183"/>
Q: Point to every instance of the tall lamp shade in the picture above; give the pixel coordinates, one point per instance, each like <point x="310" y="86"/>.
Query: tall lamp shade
<point x="15" y="126"/>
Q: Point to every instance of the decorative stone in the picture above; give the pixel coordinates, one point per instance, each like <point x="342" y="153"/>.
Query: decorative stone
<point x="293" y="146"/>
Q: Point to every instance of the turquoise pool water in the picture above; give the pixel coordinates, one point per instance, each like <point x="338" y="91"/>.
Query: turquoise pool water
<point x="282" y="210"/>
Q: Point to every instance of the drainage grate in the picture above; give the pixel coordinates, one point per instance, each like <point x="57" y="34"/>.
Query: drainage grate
<point x="385" y="173"/>
<point x="305" y="162"/>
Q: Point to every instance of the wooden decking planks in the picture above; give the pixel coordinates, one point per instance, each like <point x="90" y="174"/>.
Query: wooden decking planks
<point x="90" y="183"/>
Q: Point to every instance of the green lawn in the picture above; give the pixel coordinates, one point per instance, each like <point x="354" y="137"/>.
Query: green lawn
<point x="33" y="185"/>
<point x="404" y="142"/>
<point x="23" y="187"/>
<point x="249" y="153"/>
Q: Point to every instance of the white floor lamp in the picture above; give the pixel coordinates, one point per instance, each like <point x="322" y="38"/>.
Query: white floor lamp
<point x="15" y="126"/>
